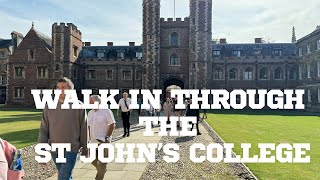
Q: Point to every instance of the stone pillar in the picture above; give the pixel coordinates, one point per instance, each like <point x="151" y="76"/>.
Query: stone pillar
<point x="200" y="60"/>
<point x="151" y="44"/>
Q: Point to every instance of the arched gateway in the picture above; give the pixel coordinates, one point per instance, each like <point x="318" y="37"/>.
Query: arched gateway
<point x="172" y="83"/>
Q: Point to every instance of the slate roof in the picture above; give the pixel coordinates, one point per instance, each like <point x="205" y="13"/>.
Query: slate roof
<point x="45" y="38"/>
<point x="110" y="51"/>
<point x="5" y="43"/>
<point x="267" y="49"/>
<point x="313" y="33"/>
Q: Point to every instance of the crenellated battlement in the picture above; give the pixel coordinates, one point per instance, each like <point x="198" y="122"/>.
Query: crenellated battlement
<point x="69" y="27"/>
<point x="151" y="1"/>
<point x="186" y="19"/>
<point x="178" y="22"/>
<point x="73" y="28"/>
<point x="66" y="41"/>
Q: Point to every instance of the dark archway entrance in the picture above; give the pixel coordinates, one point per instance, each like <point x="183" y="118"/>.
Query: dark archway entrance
<point x="171" y="83"/>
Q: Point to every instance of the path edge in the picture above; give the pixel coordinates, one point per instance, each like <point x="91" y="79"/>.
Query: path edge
<point x="213" y="134"/>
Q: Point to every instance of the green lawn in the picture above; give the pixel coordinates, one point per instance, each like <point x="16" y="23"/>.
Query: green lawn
<point x="271" y="127"/>
<point x="20" y="126"/>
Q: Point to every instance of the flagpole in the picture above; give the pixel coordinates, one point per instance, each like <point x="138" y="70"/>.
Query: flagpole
<point x="174" y="9"/>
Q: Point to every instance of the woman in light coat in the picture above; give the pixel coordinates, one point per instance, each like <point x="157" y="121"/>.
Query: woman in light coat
<point x="3" y="163"/>
<point x="167" y="108"/>
<point x="7" y="151"/>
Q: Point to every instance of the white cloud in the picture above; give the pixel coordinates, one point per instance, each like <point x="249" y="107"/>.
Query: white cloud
<point x="117" y="21"/>
<point x="121" y="21"/>
<point x="11" y="24"/>
<point x="22" y="25"/>
<point x="243" y="20"/>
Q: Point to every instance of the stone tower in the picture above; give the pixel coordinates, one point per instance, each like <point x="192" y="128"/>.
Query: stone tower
<point x="66" y="46"/>
<point x="151" y="44"/>
<point x="200" y="58"/>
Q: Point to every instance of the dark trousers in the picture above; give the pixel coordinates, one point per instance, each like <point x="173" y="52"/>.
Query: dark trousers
<point x="197" y="125"/>
<point x="125" y="120"/>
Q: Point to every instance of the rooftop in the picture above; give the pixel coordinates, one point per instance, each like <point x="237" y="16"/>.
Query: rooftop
<point x="316" y="31"/>
<point x="249" y="49"/>
<point x="110" y="51"/>
<point x="5" y="43"/>
<point x="45" y="38"/>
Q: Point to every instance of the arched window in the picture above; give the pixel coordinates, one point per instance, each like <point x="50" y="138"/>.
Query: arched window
<point x="248" y="74"/>
<point x="174" y="60"/>
<point x="218" y="74"/>
<point x="263" y="74"/>
<point x="293" y="73"/>
<point x="174" y="39"/>
<point x="278" y="73"/>
<point x="233" y="74"/>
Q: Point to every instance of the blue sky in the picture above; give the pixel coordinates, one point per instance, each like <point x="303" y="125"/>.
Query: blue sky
<point x="120" y="21"/>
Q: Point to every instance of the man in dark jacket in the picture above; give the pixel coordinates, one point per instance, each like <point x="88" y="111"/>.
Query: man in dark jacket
<point x="193" y="113"/>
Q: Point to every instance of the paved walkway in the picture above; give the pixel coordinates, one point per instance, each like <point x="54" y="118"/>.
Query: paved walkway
<point x="118" y="171"/>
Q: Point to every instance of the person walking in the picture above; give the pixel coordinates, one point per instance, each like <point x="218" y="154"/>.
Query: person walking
<point x="204" y="111"/>
<point x="158" y="111"/>
<point x="139" y="103"/>
<point x="101" y="124"/>
<point x="10" y="166"/>
<point x="124" y="106"/>
<point x="167" y="108"/>
<point x="177" y="112"/>
<point x="184" y="111"/>
<point x="151" y="110"/>
<point x="4" y="167"/>
<point x="65" y="126"/>
<point x="194" y="113"/>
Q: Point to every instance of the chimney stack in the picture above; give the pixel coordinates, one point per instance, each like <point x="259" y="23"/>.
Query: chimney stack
<point x="223" y="41"/>
<point x="16" y="39"/>
<point x="131" y="43"/>
<point x="257" y="40"/>
<point x="87" y="44"/>
<point x="110" y="43"/>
